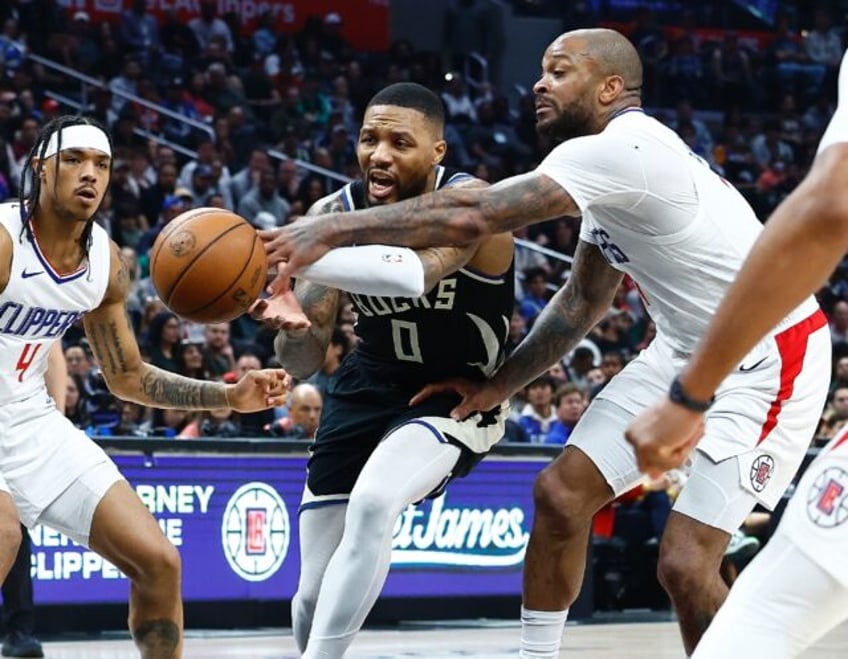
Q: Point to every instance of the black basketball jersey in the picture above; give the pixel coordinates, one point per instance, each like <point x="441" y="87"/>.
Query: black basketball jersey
<point x="459" y="328"/>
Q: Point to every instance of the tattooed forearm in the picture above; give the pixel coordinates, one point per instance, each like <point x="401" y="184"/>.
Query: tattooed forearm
<point x="455" y="216"/>
<point x="159" y="388"/>
<point x="564" y="321"/>
<point x="302" y="355"/>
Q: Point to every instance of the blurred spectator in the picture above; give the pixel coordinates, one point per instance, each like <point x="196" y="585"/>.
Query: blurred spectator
<point x="732" y="72"/>
<point x="536" y="294"/>
<point x="163" y="340"/>
<point x="190" y="360"/>
<point x="139" y="31"/>
<point x="684" y="71"/>
<point x="823" y="42"/>
<point x="570" y="402"/>
<point x="517" y="330"/>
<point x="796" y="71"/>
<point x="74" y="403"/>
<point x="264" y="198"/>
<point x="221" y="423"/>
<point x="648" y="38"/>
<point x="218" y="357"/>
<point x="337" y="349"/>
<point x="839" y="322"/>
<point x="172" y="206"/>
<point x="539" y="413"/>
<point x="768" y="147"/>
<point x="304" y="413"/>
<point x="459" y="108"/>
<point x="79" y="361"/>
<point x="248" y="177"/>
<point x="473" y="27"/>
<point x="125" y="83"/>
<point x="208" y="26"/>
<point x="839" y="404"/>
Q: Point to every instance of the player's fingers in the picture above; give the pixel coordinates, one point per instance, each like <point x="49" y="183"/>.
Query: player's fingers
<point x="278" y="400"/>
<point x="257" y="309"/>
<point x="279" y="284"/>
<point x="267" y="235"/>
<point x="431" y="390"/>
<point x="465" y="409"/>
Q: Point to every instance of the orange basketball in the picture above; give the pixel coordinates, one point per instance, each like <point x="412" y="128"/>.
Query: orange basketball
<point x="208" y="265"/>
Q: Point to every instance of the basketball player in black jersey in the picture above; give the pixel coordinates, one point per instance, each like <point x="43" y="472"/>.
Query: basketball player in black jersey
<point x="373" y="453"/>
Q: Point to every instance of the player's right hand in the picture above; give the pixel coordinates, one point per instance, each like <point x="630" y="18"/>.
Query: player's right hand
<point x="663" y="436"/>
<point x="476" y="396"/>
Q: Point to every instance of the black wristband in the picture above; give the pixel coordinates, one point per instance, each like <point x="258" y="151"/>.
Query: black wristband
<point x="677" y="395"/>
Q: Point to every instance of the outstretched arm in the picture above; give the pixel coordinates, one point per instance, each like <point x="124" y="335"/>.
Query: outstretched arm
<point x="114" y="345"/>
<point x="455" y="216"/>
<point x="565" y="320"/>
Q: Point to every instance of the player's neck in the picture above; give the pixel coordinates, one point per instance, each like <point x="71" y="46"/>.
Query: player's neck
<point x="58" y="239"/>
<point x="619" y="109"/>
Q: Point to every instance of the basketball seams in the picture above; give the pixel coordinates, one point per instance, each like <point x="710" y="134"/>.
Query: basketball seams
<point x="194" y="259"/>
<point x="172" y="226"/>
<point x="235" y="281"/>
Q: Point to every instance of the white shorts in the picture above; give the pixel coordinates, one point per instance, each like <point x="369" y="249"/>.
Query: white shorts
<point x="816" y="519"/>
<point x="764" y="416"/>
<point x="41" y="455"/>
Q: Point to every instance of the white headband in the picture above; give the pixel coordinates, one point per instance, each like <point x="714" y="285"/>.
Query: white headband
<point x="81" y="136"/>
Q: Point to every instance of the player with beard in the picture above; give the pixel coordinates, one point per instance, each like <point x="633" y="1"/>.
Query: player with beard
<point x="654" y="210"/>
<point x="424" y="316"/>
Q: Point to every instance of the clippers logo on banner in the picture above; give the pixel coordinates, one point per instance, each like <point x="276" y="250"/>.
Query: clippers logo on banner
<point x="255" y="531"/>
<point x="826" y="499"/>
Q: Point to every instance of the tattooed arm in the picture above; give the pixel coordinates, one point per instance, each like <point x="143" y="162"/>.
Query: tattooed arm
<point x="302" y="352"/>
<point x="565" y="320"/>
<point x="454" y="216"/>
<point x="113" y="342"/>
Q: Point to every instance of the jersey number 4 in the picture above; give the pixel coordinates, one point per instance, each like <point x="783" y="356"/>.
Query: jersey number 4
<point x="25" y="360"/>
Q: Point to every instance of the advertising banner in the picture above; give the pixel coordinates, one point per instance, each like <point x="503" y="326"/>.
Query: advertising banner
<point x="365" y="23"/>
<point x="234" y="520"/>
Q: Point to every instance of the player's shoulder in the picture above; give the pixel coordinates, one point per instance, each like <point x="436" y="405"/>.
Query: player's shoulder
<point x="331" y="203"/>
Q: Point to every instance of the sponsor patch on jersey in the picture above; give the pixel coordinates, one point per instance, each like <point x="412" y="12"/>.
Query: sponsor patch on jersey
<point x="762" y="469"/>
<point x="827" y="498"/>
<point x="392" y="257"/>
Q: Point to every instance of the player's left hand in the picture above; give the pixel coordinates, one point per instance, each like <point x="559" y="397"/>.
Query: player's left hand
<point x="295" y="246"/>
<point x="259" y="390"/>
<point x="281" y="311"/>
<point x="663" y="436"/>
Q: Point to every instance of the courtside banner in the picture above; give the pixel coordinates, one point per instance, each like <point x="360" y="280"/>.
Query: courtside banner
<point x="234" y="520"/>
<point x="365" y="23"/>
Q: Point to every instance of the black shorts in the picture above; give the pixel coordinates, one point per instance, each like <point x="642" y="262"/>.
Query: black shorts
<point x="360" y="409"/>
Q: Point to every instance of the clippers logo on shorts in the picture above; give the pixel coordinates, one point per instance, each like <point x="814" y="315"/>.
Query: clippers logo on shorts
<point x="255" y="531"/>
<point x="761" y="470"/>
<point x="827" y="498"/>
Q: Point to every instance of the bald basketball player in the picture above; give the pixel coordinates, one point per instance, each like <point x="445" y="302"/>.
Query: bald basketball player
<point x="654" y="210"/>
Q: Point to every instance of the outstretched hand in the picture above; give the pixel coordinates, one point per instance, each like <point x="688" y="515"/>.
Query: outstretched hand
<point x="293" y="246"/>
<point x="259" y="390"/>
<point x="476" y="396"/>
<point x="281" y="311"/>
<point x="663" y="436"/>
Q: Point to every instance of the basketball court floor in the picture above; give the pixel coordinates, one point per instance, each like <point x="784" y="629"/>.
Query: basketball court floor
<point x="469" y="639"/>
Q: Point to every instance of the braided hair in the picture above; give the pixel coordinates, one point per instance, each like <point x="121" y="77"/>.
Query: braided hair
<point x="30" y="185"/>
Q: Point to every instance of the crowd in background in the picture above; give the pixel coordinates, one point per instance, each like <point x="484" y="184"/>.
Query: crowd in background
<point x="263" y="101"/>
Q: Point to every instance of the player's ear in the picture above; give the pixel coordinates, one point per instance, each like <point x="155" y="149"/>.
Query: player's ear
<point x="440" y="148"/>
<point x="611" y="89"/>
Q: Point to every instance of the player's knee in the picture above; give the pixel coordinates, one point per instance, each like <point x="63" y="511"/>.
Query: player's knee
<point x="161" y="564"/>
<point x="371" y="509"/>
<point x="678" y="571"/>
<point x="557" y="505"/>
<point x="10" y="538"/>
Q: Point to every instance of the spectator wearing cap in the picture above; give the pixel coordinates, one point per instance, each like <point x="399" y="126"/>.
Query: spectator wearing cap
<point x="206" y="154"/>
<point x="172" y="205"/>
<point x="539" y="413"/>
<point x="202" y="183"/>
<point x="139" y="31"/>
<point x="332" y="39"/>
<point x="264" y="198"/>
<point x="208" y="26"/>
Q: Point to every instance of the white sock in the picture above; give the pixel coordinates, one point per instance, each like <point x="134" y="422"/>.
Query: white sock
<point x="541" y="633"/>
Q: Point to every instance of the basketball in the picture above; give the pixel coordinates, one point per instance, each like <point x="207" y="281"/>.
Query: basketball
<point x="208" y="265"/>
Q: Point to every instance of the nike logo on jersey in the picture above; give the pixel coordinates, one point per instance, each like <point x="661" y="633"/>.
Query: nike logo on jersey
<point x="27" y="275"/>
<point x="745" y="369"/>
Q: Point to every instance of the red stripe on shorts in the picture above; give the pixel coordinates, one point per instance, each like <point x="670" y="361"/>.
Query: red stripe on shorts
<point x="792" y="346"/>
<point x="839" y="442"/>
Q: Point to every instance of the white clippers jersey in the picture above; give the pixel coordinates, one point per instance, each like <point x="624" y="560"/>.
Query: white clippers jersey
<point x="39" y="305"/>
<point x="660" y="214"/>
<point x="837" y="129"/>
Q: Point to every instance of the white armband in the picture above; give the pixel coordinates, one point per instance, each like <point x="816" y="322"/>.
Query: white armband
<point x="369" y="270"/>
